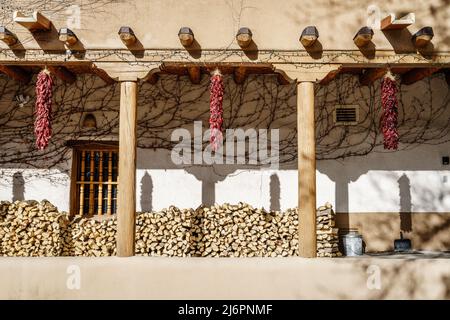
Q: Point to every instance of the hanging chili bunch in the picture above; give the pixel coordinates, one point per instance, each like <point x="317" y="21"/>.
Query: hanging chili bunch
<point x="42" y="123"/>
<point x="389" y="118"/>
<point x="216" y="110"/>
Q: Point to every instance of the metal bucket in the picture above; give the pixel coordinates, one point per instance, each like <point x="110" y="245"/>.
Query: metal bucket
<point x="352" y="244"/>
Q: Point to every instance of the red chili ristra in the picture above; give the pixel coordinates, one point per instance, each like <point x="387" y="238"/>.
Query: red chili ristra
<point x="216" y="111"/>
<point x="389" y="118"/>
<point x="43" y="112"/>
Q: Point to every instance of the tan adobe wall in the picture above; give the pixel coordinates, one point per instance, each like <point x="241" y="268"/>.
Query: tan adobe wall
<point x="276" y="25"/>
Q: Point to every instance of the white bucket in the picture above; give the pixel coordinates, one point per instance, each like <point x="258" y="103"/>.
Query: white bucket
<point x="352" y="244"/>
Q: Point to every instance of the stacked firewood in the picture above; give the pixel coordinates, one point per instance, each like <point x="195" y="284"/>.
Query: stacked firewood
<point x="327" y="233"/>
<point x="30" y="228"/>
<point x="90" y="237"/>
<point x="218" y="231"/>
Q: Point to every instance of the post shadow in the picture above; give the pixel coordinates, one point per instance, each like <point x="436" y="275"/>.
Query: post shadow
<point x="18" y="190"/>
<point x="341" y="198"/>
<point x="405" y="203"/>
<point x="209" y="176"/>
<point x="208" y="179"/>
<point x="208" y="192"/>
<point x="146" y="193"/>
<point x="274" y="192"/>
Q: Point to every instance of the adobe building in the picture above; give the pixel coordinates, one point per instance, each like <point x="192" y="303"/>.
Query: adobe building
<point x="126" y="75"/>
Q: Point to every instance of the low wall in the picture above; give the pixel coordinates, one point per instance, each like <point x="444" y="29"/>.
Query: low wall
<point x="223" y="278"/>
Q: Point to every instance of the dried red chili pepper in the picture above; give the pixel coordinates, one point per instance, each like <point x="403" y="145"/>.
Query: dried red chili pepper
<point x="216" y="110"/>
<point x="43" y="112"/>
<point x="389" y="118"/>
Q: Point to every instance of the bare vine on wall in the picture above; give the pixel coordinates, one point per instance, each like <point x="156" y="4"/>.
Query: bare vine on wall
<point x="424" y="116"/>
<point x="260" y="103"/>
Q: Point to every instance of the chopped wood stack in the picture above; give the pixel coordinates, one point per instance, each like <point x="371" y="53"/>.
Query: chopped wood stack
<point x="30" y="228"/>
<point x="90" y="237"/>
<point x="217" y="231"/>
<point x="327" y="233"/>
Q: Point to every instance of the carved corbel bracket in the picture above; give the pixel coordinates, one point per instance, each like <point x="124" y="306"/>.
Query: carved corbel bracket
<point x="120" y="71"/>
<point x="314" y="72"/>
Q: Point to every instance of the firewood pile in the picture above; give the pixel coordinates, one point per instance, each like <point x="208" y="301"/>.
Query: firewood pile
<point x="31" y="228"/>
<point x="90" y="237"/>
<point x="327" y="233"/>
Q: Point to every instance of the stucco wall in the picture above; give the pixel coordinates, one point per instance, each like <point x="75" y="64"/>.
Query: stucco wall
<point x="376" y="190"/>
<point x="275" y="24"/>
<point x="410" y="180"/>
<point x="229" y="278"/>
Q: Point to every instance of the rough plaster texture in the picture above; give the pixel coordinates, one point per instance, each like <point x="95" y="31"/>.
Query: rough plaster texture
<point x="228" y="278"/>
<point x="275" y="25"/>
<point x="412" y="179"/>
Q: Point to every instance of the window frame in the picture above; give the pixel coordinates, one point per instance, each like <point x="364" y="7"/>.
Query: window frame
<point x="78" y="147"/>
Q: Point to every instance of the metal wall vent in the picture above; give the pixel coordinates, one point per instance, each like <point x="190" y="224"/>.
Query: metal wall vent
<point x="346" y="114"/>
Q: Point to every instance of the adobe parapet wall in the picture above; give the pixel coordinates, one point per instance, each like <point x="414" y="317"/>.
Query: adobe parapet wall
<point x="275" y="25"/>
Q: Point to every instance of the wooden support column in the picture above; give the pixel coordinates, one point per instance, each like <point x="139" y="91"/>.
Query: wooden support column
<point x="306" y="169"/>
<point x="127" y="75"/>
<point x="306" y="76"/>
<point x="126" y="201"/>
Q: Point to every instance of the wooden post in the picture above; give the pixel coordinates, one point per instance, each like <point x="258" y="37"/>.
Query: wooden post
<point x="306" y="169"/>
<point x="126" y="201"/>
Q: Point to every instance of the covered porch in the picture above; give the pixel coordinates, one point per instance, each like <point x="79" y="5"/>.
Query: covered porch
<point x="298" y="70"/>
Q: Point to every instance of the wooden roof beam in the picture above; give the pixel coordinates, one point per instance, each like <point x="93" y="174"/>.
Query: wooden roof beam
<point x="417" y="74"/>
<point x="195" y="74"/>
<point x="63" y="74"/>
<point x="16" y="73"/>
<point x="33" y="22"/>
<point x="240" y="74"/>
<point x="392" y="23"/>
<point x="369" y="76"/>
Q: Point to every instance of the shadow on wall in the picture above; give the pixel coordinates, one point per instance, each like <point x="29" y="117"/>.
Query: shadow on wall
<point x="427" y="230"/>
<point x="18" y="190"/>
<point x="274" y="192"/>
<point x="209" y="176"/>
<point x="146" y="193"/>
<point x="405" y="203"/>
<point x="350" y="170"/>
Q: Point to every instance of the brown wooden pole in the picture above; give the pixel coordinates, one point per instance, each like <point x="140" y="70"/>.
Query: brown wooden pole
<point x="126" y="199"/>
<point x="306" y="169"/>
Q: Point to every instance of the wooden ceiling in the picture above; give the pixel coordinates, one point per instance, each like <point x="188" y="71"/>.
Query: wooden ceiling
<point x="194" y="72"/>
